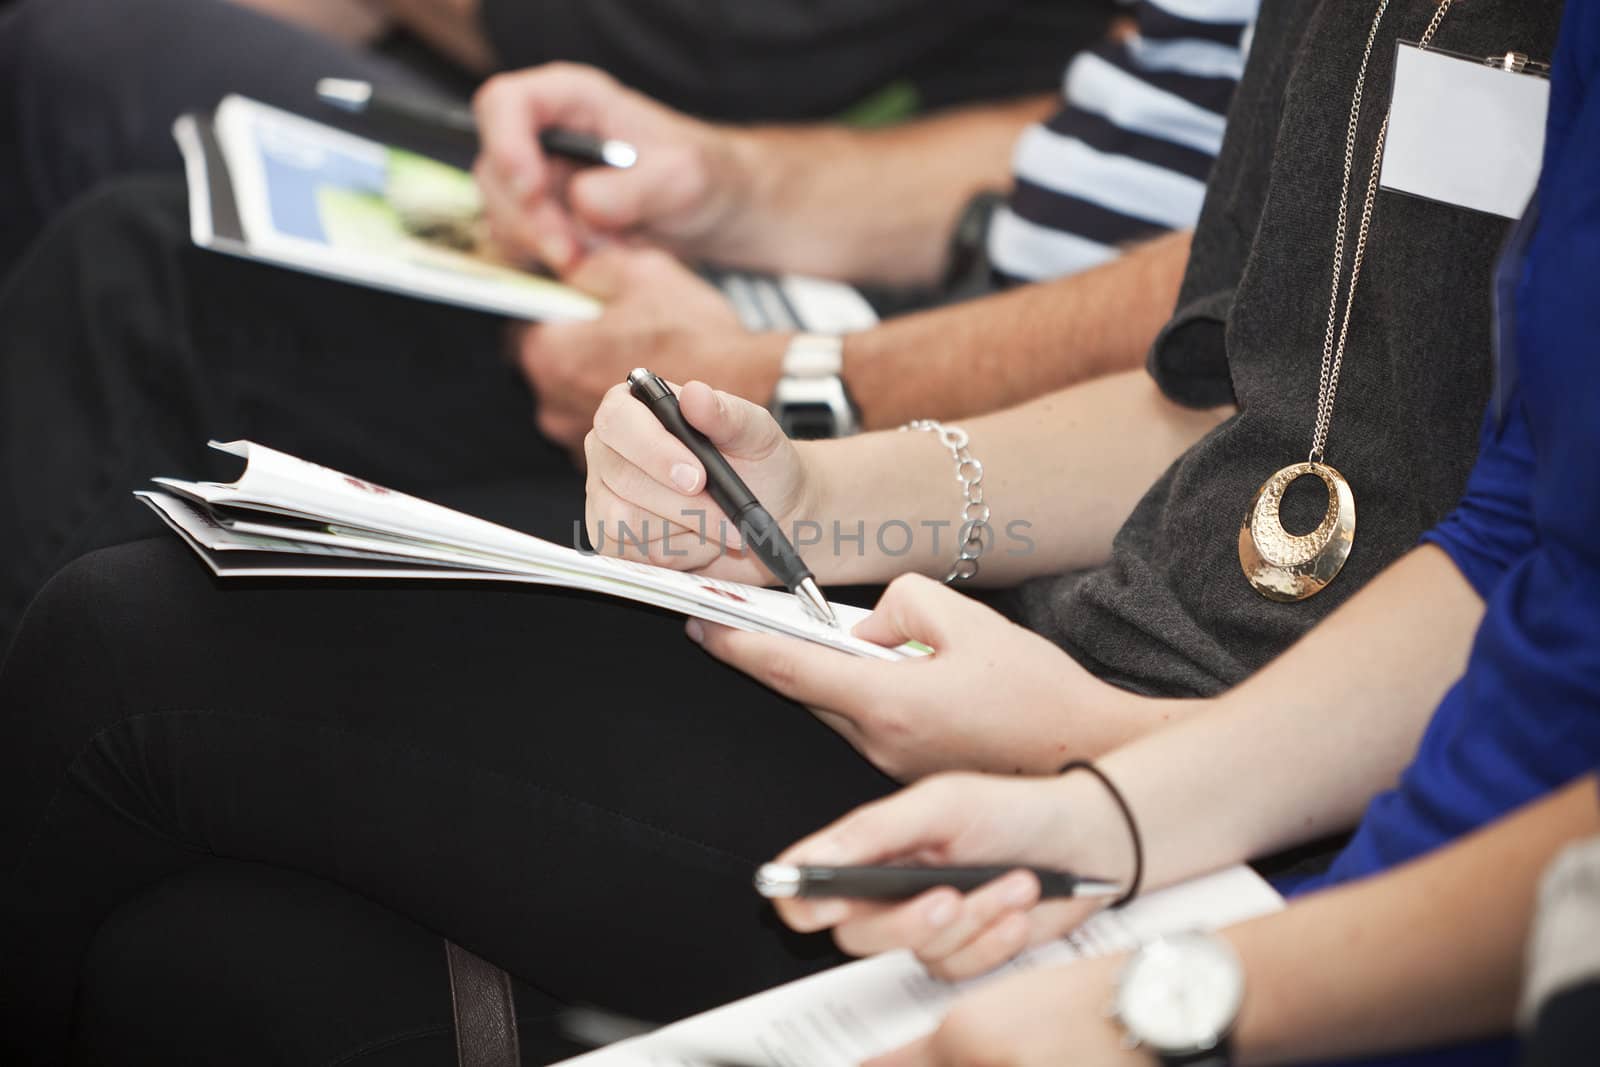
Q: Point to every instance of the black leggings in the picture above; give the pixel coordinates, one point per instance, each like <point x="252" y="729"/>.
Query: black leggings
<point x="563" y="784"/>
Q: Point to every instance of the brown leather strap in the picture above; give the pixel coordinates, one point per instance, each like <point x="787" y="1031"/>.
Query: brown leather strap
<point x="485" y="1011"/>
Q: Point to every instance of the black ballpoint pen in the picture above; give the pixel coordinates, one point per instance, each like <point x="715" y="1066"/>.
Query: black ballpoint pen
<point x="755" y="524"/>
<point x="777" y="880"/>
<point x="457" y="122"/>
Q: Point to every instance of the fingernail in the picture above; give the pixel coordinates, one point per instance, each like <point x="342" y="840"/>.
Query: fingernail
<point x="829" y="912"/>
<point x="943" y="913"/>
<point x="696" y="631"/>
<point x="1018" y="892"/>
<point x="685" y="477"/>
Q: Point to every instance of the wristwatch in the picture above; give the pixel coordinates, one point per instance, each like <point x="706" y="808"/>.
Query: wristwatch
<point x="811" y="400"/>
<point x="1179" y="998"/>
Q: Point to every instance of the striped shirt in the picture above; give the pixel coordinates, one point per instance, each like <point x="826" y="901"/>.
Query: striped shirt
<point x="1127" y="156"/>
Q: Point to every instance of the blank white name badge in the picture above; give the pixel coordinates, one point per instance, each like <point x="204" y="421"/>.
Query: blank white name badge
<point x="1464" y="132"/>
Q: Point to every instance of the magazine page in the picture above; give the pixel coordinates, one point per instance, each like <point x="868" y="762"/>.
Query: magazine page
<point x="852" y="1013"/>
<point x="284" y="504"/>
<point x="319" y="199"/>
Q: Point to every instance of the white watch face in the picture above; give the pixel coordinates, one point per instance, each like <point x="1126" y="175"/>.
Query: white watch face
<point x="1181" y="994"/>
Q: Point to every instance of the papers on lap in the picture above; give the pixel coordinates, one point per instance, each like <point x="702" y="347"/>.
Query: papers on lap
<point x="849" y="1014"/>
<point x="268" y="185"/>
<point x="286" y="518"/>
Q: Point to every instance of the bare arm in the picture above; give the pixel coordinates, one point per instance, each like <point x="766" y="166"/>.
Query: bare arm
<point x="822" y="199"/>
<point x="1299" y="750"/>
<point x="874" y="206"/>
<point x="1426" y="955"/>
<point x="450" y="26"/>
<point x="1002" y="350"/>
<point x="1060" y="472"/>
<point x="356" y="22"/>
<point x="1429" y="954"/>
<point x="949" y="363"/>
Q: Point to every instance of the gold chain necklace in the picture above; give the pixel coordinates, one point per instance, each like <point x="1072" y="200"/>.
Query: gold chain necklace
<point x="1289" y="567"/>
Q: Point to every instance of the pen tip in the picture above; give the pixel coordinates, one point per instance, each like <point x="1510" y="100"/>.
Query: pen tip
<point x="815" y="603"/>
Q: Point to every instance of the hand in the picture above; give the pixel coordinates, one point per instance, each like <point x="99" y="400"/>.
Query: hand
<point x="646" y="491"/>
<point x="1044" y="1018"/>
<point x="681" y="190"/>
<point x="658" y="314"/>
<point x="993" y="697"/>
<point x="964" y="820"/>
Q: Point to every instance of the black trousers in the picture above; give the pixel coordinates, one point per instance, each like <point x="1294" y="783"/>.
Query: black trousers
<point x="563" y="784"/>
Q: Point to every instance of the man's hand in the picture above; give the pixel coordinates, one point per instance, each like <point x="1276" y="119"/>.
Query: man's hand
<point x="682" y="189"/>
<point x="1044" y="1018"/>
<point x="646" y="493"/>
<point x="658" y="314"/>
<point x="994" y="696"/>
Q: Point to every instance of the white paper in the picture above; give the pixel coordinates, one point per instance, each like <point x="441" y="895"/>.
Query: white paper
<point x="386" y="534"/>
<point x="852" y="1013"/>
<point x="1465" y="133"/>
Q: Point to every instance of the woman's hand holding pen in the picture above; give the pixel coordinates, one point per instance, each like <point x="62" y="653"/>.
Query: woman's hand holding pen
<point x="960" y="820"/>
<point x="684" y="189"/>
<point x="646" y="492"/>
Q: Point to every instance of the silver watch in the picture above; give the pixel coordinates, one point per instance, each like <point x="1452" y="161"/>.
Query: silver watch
<point x="1179" y="998"/>
<point x="811" y="400"/>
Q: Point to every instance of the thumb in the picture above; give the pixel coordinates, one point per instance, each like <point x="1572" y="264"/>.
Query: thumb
<point x="601" y="273"/>
<point x="913" y="608"/>
<point x="735" y="425"/>
<point x="920" y="1053"/>
<point x="927" y="815"/>
<point x="655" y="193"/>
<point x="611" y="200"/>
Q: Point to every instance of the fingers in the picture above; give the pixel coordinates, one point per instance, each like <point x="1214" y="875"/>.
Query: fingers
<point x="663" y="188"/>
<point x="736" y="426"/>
<point x="522" y="187"/>
<point x="913" y="608"/>
<point x="919" y="1053"/>
<point x="804" y="672"/>
<point x="635" y="437"/>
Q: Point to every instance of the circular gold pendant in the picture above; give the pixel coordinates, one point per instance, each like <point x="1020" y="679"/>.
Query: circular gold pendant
<point x="1288" y="567"/>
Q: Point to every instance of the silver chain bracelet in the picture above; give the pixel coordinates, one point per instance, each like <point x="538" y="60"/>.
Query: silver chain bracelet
<point x="975" y="516"/>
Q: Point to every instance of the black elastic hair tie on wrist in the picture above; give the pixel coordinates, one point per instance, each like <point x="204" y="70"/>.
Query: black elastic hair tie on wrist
<point x="1133" y="827"/>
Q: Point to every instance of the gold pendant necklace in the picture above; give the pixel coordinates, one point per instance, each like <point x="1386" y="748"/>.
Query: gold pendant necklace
<point x="1289" y="567"/>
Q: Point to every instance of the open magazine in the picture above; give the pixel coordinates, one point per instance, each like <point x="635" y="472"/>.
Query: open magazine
<point x="286" y="518"/>
<point x="272" y="186"/>
<point x="852" y="1013"/>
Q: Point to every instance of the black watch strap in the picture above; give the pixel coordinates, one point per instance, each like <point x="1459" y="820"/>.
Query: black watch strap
<point x="1221" y="1055"/>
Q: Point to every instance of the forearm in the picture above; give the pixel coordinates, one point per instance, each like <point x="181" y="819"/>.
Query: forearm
<point x="991" y="353"/>
<point x="355" y="22"/>
<point x="1427" y="955"/>
<point x="1061" y="474"/>
<point x="450" y="26"/>
<point x="1299" y="750"/>
<point x="871" y="206"/>
<point x="1002" y="350"/>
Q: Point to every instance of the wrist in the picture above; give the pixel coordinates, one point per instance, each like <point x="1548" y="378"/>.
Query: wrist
<point x="738" y="166"/>
<point x="1093" y="837"/>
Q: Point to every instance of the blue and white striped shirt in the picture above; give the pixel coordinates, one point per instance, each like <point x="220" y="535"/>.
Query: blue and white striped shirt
<point x="1127" y="156"/>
